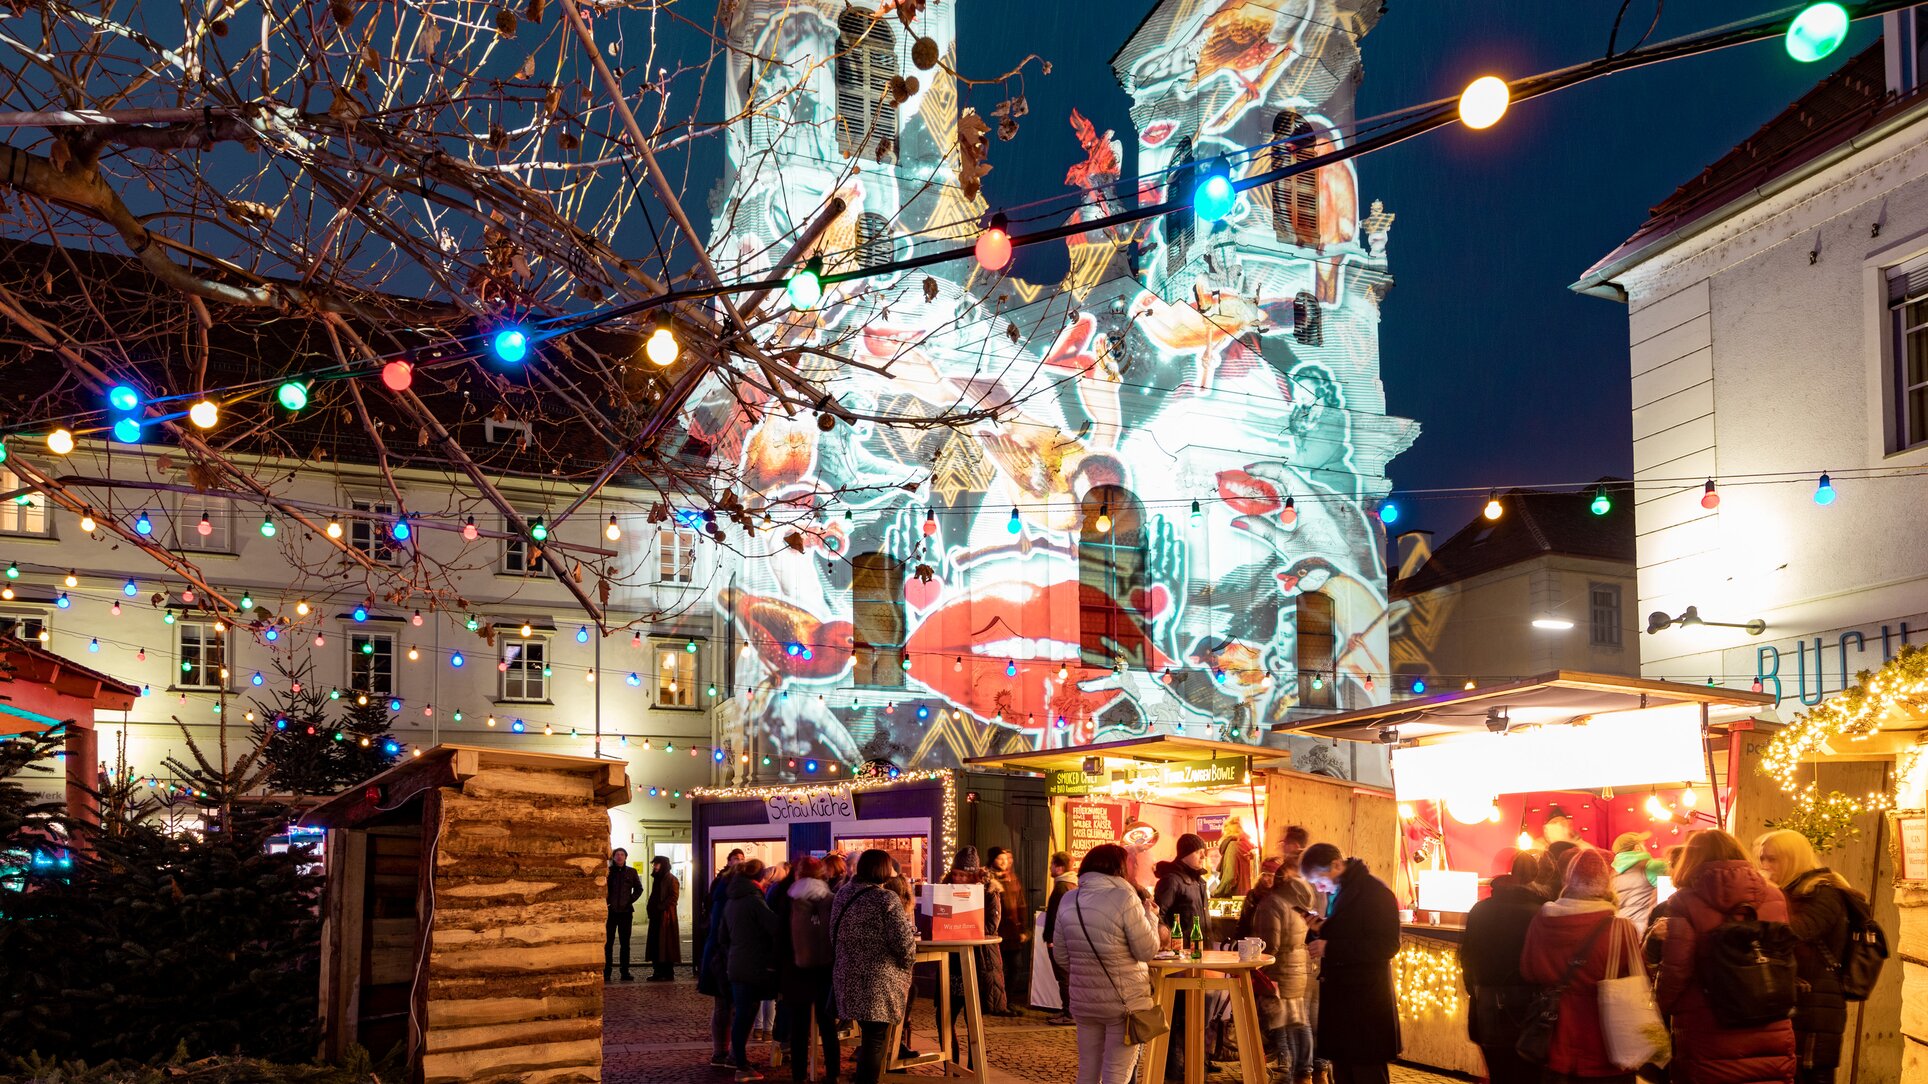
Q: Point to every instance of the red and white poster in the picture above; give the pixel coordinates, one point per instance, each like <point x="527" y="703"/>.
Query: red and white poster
<point x="1088" y="824"/>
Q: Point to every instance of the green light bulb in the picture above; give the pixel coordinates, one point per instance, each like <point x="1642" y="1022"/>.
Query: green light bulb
<point x="806" y="286"/>
<point x="1817" y="32"/>
<point x="293" y="395"/>
<point x="539" y="531"/>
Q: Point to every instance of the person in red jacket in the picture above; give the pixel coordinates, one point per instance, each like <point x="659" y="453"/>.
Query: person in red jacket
<point x="1717" y="880"/>
<point x="1582" y="924"/>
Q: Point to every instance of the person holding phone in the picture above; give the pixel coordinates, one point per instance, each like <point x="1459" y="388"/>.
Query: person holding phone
<point x="1358" y="1029"/>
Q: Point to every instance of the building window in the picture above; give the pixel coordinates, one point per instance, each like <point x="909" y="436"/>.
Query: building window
<point x="1111" y="573"/>
<point x="1308" y="323"/>
<point x="369" y="531"/>
<point x="866" y="63"/>
<point x="525" y="676"/>
<point x="1294" y="200"/>
<point x="877" y="614"/>
<point x="1603" y="614"/>
<point x="675" y="555"/>
<point x="204" y="523"/>
<point x="23" y="627"/>
<point x="874" y="247"/>
<point x="203" y="653"/>
<point x="25" y="514"/>
<point x="675" y="676"/>
<point x="1908" y="306"/>
<point x="1314" y="645"/>
<point x="521" y="557"/>
<point x="371" y="663"/>
<point x="1182" y="222"/>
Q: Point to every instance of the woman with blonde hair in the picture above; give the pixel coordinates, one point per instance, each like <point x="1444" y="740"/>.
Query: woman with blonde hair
<point x="1717" y="882"/>
<point x="1817" y="911"/>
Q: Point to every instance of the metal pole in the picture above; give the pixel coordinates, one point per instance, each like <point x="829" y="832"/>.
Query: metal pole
<point x="599" y="685"/>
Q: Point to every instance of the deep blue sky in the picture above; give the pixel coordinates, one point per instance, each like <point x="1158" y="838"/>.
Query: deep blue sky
<point x="1513" y="378"/>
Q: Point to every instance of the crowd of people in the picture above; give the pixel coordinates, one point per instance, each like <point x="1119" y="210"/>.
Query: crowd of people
<point x="1571" y="916"/>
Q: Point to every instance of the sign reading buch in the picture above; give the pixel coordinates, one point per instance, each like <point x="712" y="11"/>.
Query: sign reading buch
<point x="1088" y="824"/>
<point x="833" y="803"/>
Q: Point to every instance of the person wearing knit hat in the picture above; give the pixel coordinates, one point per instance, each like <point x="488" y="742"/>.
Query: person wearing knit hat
<point x="1181" y="899"/>
<point x="968" y="869"/>
<point x="1581" y="925"/>
<point x="1636" y="878"/>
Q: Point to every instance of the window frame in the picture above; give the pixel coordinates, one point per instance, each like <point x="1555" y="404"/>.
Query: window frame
<point x="355" y="657"/>
<point x="1121" y="566"/>
<point x="518" y="669"/>
<point x="877" y="664"/>
<point x="864" y="65"/>
<point x="15" y="512"/>
<point x="680" y="653"/>
<point x="514" y="542"/>
<point x="1614" y="635"/>
<point x="1905" y="286"/>
<point x="681" y="553"/>
<point x="368" y="529"/>
<point x="212" y="681"/>
<point x="1325" y="696"/>
<point x="1294" y="201"/>
<point x="219" y="512"/>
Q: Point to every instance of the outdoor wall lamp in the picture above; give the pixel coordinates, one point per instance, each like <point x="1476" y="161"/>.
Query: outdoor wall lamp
<point x="1658" y="621"/>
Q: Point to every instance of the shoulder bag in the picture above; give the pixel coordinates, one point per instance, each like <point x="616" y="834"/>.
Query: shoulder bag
<point x="1535" y="1044"/>
<point x="1141" y="1025"/>
<point x="1630" y="1025"/>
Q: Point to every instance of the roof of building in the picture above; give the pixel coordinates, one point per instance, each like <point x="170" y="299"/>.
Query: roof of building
<point x="1848" y="103"/>
<point x="25" y="660"/>
<point x="1533" y="524"/>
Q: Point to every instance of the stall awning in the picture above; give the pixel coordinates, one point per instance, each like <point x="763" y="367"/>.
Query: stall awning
<point x="1563" y="696"/>
<point x="1152" y="749"/>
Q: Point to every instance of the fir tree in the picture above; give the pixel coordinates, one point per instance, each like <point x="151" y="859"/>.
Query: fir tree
<point x="367" y="749"/>
<point x="307" y="751"/>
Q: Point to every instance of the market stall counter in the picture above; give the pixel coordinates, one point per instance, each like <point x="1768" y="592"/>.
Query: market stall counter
<point x="1587" y="760"/>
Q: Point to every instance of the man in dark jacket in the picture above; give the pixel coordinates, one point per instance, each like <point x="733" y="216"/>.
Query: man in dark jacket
<point x="624" y="888"/>
<point x="709" y="964"/>
<point x="1357" y="939"/>
<point x="749" y="936"/>
<point x="1180" y="896"/>
<point x="1061" y="882"/>
<point x="1489" y="963"/>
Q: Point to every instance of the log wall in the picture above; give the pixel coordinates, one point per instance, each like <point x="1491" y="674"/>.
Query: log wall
<point x="514" y="947"/>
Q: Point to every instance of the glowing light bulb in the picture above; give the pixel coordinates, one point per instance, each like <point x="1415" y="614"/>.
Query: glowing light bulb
<point x="267" y="527"/>
<point x="1601" y="503"/>
<point x="805" y="286"/>
<point x="1290" y="513"/>
<point x="1493" y="509"/>
<point x="302" y="607"/>
<point x="582" y="634"/>
<point x="292" y="395"/>
<point x="204" y="414"/>
<point x="401" y="529"/>
<point x="469" y="532"/>
<point x="930" y="523"/>
<point x="1010" y="668"/>
<point x="1525" y="841"/>
<point x="398" y="376"/>
<point x="661" y="348"/>
<point x="416" y="620"/>
<point x="413" y="654"/>
<point x="130" y="589"/>
<point x="72" y="579"/>
<point x="994" y="245"/>
<point x="205" y="527"/>
<point x="613" y="532"/>
<point x="1824" y="491"/>
<point x="143" y="526"/>
<point x="123" y="398"/>
<point x="1484" y="102"/>
<point x="1388" y="511"/>
<point x="87" y="524"/>
<point x="539" y="530"/>
<point x="1816" y="32"/>
<point x="1014" y="525"/>
<point x="1710" y="497"/>
<point x="1214" y="197"/>
<point x="511" y="344"/>
<point x="128" y="430"/>
<point x="60" y="442"/>
<point x="456" y="660"/>
<point x="1103" y="524"/>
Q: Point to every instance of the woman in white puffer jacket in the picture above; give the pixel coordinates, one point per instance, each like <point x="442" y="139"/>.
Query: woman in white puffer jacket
<point x="1104" y="939"/>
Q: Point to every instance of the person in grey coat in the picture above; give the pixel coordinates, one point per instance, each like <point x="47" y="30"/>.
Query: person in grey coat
<point x="874" y="943"/>
<point x="1104" y="940"/>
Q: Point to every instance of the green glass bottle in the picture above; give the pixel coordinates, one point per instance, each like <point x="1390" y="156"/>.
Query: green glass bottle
<point x="1178" y="932"/>
<point x="1198" y="939"/>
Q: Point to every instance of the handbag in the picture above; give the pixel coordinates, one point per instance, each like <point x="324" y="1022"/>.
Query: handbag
<point x="1141" y="1025"/>
<point x="1535" y="1044"/>
<point x="1630" y="1023"/>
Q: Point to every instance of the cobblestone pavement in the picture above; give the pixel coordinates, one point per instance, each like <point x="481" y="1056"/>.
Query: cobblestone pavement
<point x="659" y="1033"/>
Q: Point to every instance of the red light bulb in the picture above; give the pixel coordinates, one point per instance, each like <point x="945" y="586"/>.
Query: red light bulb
<point x="1710" y="498"/>
<point x="994" y="246"/>
<point x="398" y="375"/>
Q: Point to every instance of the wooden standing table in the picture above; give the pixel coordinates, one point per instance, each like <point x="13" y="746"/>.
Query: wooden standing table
<point x="1214" y="971"/>
<point x="895" y="1068"/>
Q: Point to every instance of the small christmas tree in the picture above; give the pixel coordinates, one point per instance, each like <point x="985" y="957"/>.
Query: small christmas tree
<point x="367" y="748"/>
<point x="310" y="753"/>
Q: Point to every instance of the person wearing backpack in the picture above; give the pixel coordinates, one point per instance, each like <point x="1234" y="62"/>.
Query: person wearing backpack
<point x="1726" y="969"/>
<point x="1818" y="902"/>
<point x="809" y="979"/>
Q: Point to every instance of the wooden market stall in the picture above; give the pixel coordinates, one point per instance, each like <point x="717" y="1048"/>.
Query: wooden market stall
<point x="463" y="913"/>
<point x="1482" y="773"/>
<point x="1146" y="792"/>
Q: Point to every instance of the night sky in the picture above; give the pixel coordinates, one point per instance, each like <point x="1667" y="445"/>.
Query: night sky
<point x="1513" y="378"/>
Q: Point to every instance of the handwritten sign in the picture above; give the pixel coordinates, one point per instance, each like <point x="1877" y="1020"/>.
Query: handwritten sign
<point x="1088" y="824"/>
<point x="817" y="805"/>
<point x="1911" y="832"/>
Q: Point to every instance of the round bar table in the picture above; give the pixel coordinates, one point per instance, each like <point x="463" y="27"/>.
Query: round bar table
<point x="895" y="1068"/>
<point x="1215" y="970"/>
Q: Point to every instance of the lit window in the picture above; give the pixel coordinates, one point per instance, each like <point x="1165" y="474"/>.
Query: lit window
<point x="1111" y="574"/>
<point x="1908" y="309"/>
<point x="877" y="614"/>
<point x="866" y="63"/>
<point x="675" y="555"/>
<point x="24" y="514"/>
<point x="203" y="653"/>
<point x="1294" y="200"/>
<point x="524" y="679"/>
<point x="1604" y="614"/>
<point x="1315" y="643"/>
<point x="675" y="676"/>
<point x="197" y="511"/>
<point x="369" y="531"/>
<point x="371" y="663"/>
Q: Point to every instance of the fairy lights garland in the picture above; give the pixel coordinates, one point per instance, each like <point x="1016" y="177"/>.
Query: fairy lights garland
<point x="1426" y="980"/>
<point x="861" y="782"/>
<point x="1853" y="714"/>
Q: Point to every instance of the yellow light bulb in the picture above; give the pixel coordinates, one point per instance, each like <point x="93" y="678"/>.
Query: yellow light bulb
<point x="60" y="442"/>
<point x="612" y="532"/>
<point x="662" y="349"/>
<point x="1104" y="522"/>
<point x="1484" y="102"/>
<point x="1493" y="509"/>
<point x="1525" y="842"/>
<point x="204" y="414"/>
<point x="527" y="630"/>
<point x="302" y="607"/>
<point x="71" y="580"/>
<point x="334" y="529"/>
<point x="413" y="654"/>
<point x="87" y="523"/>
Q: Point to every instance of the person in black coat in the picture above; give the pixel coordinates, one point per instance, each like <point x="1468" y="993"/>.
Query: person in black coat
<point x="710" y="980"/>
<point x="1817" y="912"/>
<point x="1489" y="962"/>
<point x="749" y="938"/>
<point x="1357" y="939"/>
<point x="1181" y="897"/>
<point x="624" y="888"/>
<point x="663" y="946"/>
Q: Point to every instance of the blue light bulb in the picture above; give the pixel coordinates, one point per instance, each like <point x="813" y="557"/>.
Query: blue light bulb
<point x="63" y="601"/>
<point x="142" y="525"/>
<point x="1388" y="511"/>
<point x="1015" y="525"/>
<point x="456" y="660"/>
<point x="128" y="431"/>
<point x="809" y="765"/>
<point x="511" y="344"/>
<point x="401" y="530"/>
<point x="391" y="748"/>
<point x="123" y="397"/>
<point x="256" y="679"/>
<point x="130" y="589"/>
<point x="1824" y="492"/>
<point x="1419" y="686"/>
<point x="361" y="612"/>
<point x="582" y="634"/>
<point x="923" y="711"/>
<point x="633" y="679"/>
<point x="394" y="704"/>
<point x="272" y="634"/>
<point x="518" y="726"/>
<point x="1214" y="197"/>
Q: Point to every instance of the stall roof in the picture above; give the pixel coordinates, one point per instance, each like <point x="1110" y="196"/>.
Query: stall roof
<point x="1156" y="748"/>
<point x="1558" y="697"/>
<point x="447" y="765"/>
